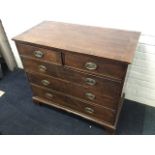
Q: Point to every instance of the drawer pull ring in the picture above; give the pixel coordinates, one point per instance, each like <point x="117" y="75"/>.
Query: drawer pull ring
<point x="38" y="54"/>
<point x="89" y="110"/>
<point x="49" y="95"/>
<point x="42" y="68"/>
<point x="45" y="82"/>
<point x="90" y="66"/>
<point x="90" y="81"/>
<point x="90" y="96"/>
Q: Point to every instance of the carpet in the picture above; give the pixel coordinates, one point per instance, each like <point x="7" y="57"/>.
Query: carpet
<point x="20" y="116"/>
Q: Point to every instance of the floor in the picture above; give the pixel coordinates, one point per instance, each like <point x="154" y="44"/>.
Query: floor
<point x="20" y="116"/>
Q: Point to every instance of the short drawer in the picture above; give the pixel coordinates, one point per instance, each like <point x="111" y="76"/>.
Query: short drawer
<point x="51" y="56"/>
<point x="94" y="83"/>
<point x="84" y="93"/>
<point x="73" y="104"/>
<point x="106" y="67"/>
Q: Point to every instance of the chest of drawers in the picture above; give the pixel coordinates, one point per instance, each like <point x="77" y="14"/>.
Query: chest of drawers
<point x="79" y="69"/>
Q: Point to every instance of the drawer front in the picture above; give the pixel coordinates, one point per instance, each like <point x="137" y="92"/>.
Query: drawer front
<point x="95" y="65"/>
<point x="72" y="89"/>
<point x="51" y="56"/>
<point x="96" y="84"/>
<point x="85" y="108"/>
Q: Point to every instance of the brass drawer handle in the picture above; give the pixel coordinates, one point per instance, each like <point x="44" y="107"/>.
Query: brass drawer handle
<point x="89" y="110"/>
<point x="49" y="95"/>
<point x="91" y="66"/>
<point x="90" y="81"/>
<point x="42" y="68"/>
<point x="38" y="54"/>
<point x="90" y="96"/>
<point x="45" y="82"/>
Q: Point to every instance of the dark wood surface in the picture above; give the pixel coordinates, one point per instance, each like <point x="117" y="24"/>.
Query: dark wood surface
<point x="102" y="86"/>
<point x="79" y="69"/>
<point x="103" y="97"/>
<point x="109" y="68"/>
<point x="108" y="127"/>
<point x="108" y="43"/>
<point x="73" y="104"/>
<point x="51" y="56"/>
<point x="64" y="72"/>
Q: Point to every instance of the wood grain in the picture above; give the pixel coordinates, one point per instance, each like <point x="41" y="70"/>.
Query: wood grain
<point x="73" y="104"/>
<point x="51" y="56"/>
<point x="103" y="85"/>
<point x="101" y="98"/>
<point x="80" y="69"/>
<point x="108" y="43"/>
<point x="105" y="67"/>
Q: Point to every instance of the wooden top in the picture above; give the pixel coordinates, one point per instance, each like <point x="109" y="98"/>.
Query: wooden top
<point x="108" y="43"/>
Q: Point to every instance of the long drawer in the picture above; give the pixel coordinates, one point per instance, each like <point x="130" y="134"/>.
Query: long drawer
<point x="97" y="84"/>
<point x="73" y="104"/>
<point x="72" y="89"/>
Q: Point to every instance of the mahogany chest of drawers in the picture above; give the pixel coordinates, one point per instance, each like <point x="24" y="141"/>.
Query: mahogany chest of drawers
<point x="79" y="69"/>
